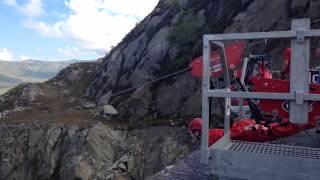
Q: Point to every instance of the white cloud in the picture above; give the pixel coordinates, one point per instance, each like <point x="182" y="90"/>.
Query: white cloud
<point x="96" y="24"/>
<point x="53" y="30"/>
<point x="33" y="8"/>
<point x="6" y="54"/>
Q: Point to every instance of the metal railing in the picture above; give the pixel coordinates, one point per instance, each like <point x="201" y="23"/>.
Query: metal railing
<point x="298" y="96"/>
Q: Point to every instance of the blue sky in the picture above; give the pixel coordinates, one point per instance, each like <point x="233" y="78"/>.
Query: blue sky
<point x="66" y="29"/>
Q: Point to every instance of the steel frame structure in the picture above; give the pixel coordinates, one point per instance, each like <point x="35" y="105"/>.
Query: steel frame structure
<point x="298" y="96"/>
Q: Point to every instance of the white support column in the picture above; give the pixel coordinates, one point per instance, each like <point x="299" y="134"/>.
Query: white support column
<point x="243" y="72"/>
<point x="227" y="113"/>
<point x="205" y="101"/>
<point x="299" y="71"/>
<point x="227" y="84"/>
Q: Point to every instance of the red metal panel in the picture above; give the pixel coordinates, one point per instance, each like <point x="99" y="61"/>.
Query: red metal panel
<point x="280" y="106"/>
<point x="233" y="52"/>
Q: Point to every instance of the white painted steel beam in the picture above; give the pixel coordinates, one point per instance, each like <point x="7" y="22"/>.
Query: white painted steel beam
<point x="222" y="93"/>
<point x="205" y="103"/>
<point x="259" y="35"/>
<point x="299" y="71"/>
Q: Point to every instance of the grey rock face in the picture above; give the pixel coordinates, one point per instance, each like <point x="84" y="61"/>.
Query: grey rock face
<point x="29" y="94"/>
<point x="34" y="151"/>
<point x="88" y="105"/>
<point x="20" y="98"/>
<point x="74" y="73"/>
<point x="189" y="168"/>
<point x="38" y="152"/>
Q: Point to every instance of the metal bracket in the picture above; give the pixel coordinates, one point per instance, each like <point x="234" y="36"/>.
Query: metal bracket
<point x="299" y="97"/>
<point x="218" y="43"/>
<point x="301" y="35"/>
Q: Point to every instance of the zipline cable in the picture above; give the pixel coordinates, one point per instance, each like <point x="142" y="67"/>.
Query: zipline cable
<point x="152" y="81"/>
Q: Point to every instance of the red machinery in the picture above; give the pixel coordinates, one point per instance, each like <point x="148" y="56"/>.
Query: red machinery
<point x="234" y="52"/>
<point x="274" y="122"/>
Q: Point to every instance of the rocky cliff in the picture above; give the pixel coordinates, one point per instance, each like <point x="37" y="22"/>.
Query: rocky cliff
<point x="41" y="151"/>
<point x="65" y="128"/>
<point x="48" y="131"/>
<point x="167" y="40"/>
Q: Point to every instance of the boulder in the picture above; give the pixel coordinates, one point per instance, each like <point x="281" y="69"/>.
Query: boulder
<point x="108" y="110"/>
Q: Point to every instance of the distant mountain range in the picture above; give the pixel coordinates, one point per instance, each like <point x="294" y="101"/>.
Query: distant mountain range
<point x="13" y="73"/>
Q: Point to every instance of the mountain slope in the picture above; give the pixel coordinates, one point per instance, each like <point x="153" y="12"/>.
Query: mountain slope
<point x="15" y="72"/>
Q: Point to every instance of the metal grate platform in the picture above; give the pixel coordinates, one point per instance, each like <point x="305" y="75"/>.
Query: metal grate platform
<point x="275" y="149"/>
<point x="249" y="160"/>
